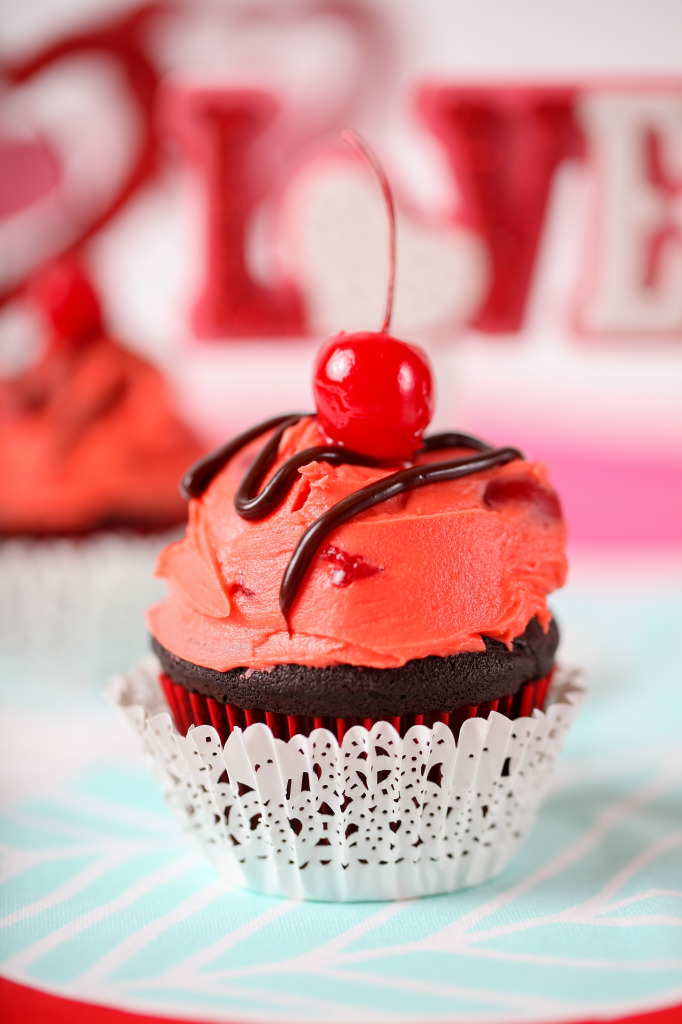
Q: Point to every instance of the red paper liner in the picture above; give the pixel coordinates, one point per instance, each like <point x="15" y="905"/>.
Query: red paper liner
<point x="189" y="709"/>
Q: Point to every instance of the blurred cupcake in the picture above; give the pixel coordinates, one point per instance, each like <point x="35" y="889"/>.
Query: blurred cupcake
<point x="91" y="452"/>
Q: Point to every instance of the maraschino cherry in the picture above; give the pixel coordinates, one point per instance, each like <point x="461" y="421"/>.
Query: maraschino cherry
<point x="373" y="393"/>
<point x="67" y="300"/>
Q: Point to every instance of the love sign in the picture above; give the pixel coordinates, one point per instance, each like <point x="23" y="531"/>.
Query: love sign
<point x="471" y="265"/>
<point x="504" y="146"/>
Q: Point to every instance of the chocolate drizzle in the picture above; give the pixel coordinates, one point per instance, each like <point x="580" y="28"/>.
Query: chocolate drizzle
<point x="398" y="483"/>
<point x="198" y="477"/>
<point x="252" y="504"/>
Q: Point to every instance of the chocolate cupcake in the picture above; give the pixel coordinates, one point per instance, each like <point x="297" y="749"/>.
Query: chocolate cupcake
<point x="371" y="716"/>
<point x="91" y="449"/>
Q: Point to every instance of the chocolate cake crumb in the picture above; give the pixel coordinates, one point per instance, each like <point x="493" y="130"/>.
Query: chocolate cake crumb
<point x="344" y="691"/>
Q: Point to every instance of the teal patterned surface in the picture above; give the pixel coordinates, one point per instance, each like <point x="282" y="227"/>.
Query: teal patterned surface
<point x="102" y="899"/>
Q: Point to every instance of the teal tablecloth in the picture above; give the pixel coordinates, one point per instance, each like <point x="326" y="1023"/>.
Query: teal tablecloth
<point x="103" y="900"/>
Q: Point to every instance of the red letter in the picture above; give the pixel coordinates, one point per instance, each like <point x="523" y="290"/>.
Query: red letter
<point x="504" y="145"/>
<point x="220" y="129"/>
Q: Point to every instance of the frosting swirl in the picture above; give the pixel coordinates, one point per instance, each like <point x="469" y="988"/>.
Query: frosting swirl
<point x="429" y="571"/>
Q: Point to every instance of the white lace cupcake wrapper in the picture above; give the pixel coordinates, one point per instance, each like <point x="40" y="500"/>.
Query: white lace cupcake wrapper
<point x="72" y="611"/>
<point x="375" y="817"/>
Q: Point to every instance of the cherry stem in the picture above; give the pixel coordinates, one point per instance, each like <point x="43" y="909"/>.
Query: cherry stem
<point x="356" y="142"/>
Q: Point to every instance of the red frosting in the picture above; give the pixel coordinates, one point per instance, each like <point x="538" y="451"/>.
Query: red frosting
<point x="430" y="572"/>
<point x="88" y="438"/>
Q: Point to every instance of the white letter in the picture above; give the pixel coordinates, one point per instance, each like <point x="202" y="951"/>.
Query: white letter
<point x="631" y="211"/>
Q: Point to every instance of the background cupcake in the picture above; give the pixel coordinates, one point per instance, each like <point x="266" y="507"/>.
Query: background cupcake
<point x="90" y="455"/>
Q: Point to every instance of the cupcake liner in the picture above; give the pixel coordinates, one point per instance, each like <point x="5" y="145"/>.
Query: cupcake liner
<point x="188" y="709"/>
<point x="72" y="610"/>
<point x="376" y="816"/>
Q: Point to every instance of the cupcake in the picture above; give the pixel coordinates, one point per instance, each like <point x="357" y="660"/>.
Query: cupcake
<point x="90" y="454"/>
<point x="355" y="693"/>
<point x="373" y="714"/>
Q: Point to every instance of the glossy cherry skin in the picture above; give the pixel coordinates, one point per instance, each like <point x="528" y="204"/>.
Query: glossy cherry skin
<point x="67" y="300"/>
<point x="373" y="394"/>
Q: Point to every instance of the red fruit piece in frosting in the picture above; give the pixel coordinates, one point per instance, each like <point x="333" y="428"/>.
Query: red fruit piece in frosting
<point x="239" y="588"/>
<point x="347" y="568"/>
<point x="499" y="493"/>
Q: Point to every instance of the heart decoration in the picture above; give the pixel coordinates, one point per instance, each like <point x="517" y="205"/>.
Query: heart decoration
<point x="57" y="201"/>
<point x="334" y="241"/>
